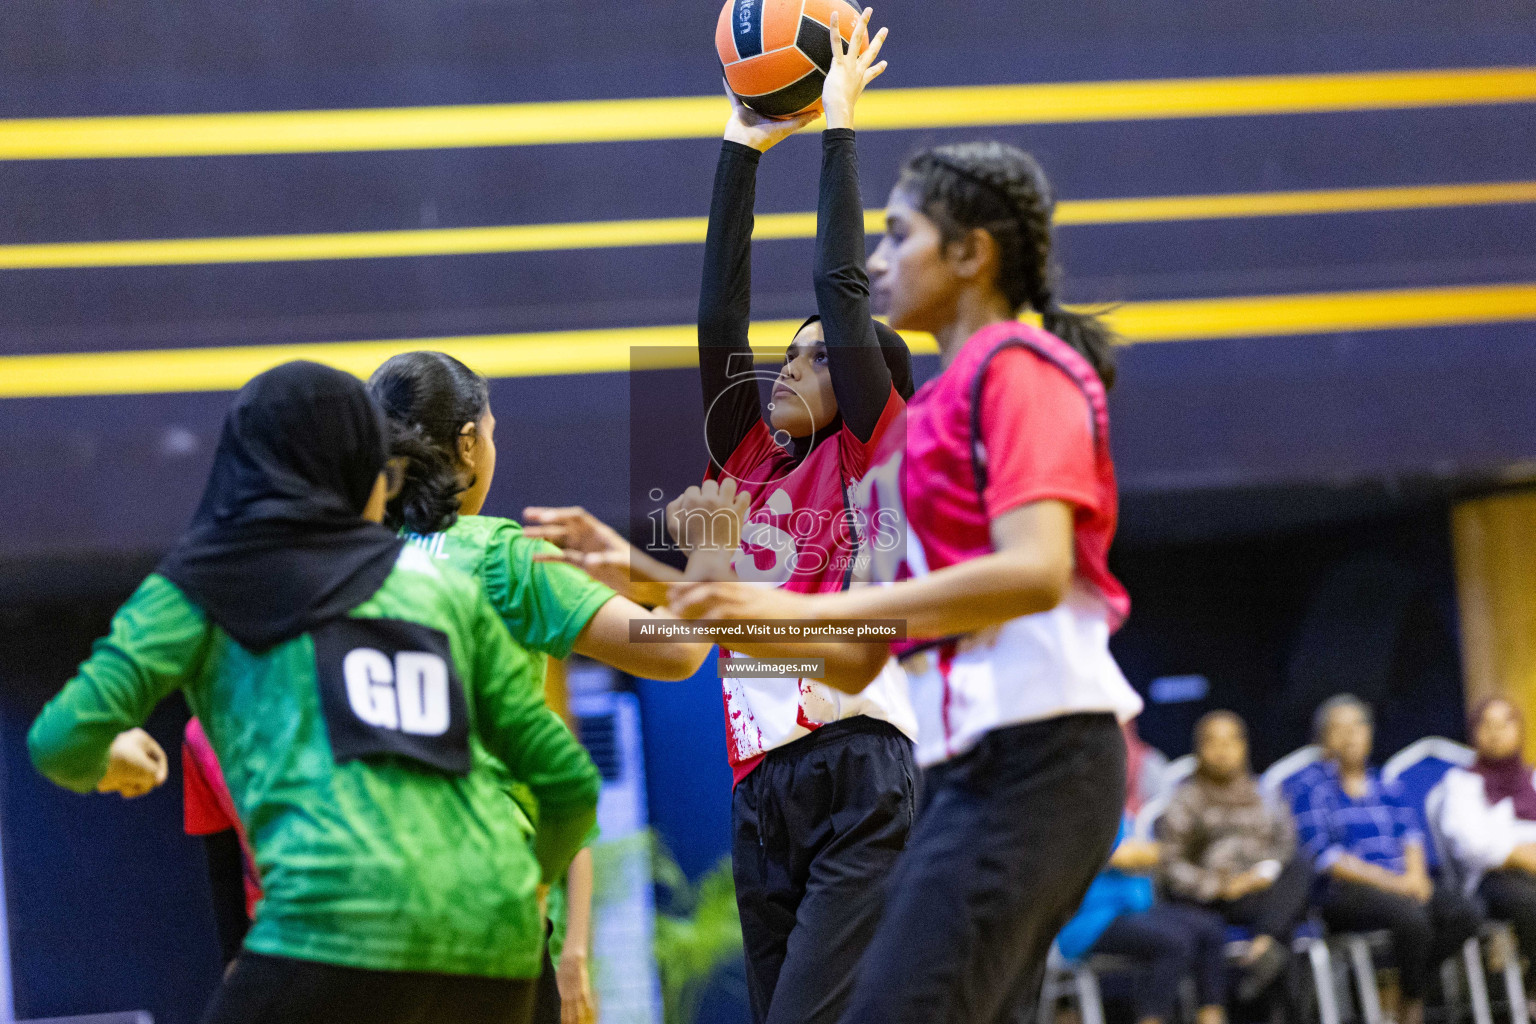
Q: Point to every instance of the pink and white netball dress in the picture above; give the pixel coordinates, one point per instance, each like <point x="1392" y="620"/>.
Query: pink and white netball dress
<point x="798" y="536"/>
<point x="1018" y="417"/>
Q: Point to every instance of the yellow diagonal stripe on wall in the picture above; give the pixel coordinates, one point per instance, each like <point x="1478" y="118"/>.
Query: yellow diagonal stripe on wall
<point x="1324" y="312"/>
<point x="690" y="230"/>
<point x="353" y="245"/>
<point x="610" y="350"/>
<point x="222" y="369"/>
<point x="527" y="124"/>
<point x="1290" y="204"/>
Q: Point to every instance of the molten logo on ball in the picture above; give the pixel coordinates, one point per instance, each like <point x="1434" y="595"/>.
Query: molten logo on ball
<point x="749" y="38"/>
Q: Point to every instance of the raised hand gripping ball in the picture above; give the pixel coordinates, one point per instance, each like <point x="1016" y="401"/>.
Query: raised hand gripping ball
<point x="776" y="52"/>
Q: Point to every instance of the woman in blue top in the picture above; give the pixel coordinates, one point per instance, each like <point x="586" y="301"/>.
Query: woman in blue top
<point x="1369" y="848"/>
<point x="1120" y="915"/>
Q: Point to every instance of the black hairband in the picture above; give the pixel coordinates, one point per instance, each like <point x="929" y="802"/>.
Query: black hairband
<point x="997" y="190"/>
<point x="1045" y="301"/>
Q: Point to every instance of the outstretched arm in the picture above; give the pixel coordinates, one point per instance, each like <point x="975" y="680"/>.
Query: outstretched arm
<point x="1027" y="573"/>
<point x="607" y="639"/>
<point x="583" y="540"/>
<point x="860" y="379"/>
<point x="725" y="295"/>
<point x="706" y="521"/>
<point x="849" y="666"/>
<point x="597" y="549"/>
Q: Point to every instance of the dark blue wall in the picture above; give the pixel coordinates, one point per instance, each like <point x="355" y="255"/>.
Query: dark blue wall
<point x="1281" y="621"/>
<point x="107" y="900"/>
<point x="688" y="780"/>
<point x="113" y="474"/>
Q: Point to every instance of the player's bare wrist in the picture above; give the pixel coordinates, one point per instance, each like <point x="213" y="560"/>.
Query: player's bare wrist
<point x="710" y="564"/>
<point x="741" y="135"/>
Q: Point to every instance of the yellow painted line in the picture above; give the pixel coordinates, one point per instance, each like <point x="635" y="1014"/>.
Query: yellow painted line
<point x="495" y="355"/>
<point x="528" y="124"/>
<point x="691" y="230"/>
<point x="1288" y="204"/>
<point x="1324" y="312"/>
<point x="612" y="350"/>
<point x="380" y="244"/>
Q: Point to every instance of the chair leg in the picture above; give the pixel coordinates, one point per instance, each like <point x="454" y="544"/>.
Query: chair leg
<point x="1045" y="1009"/>
<point x="1477" y="982"/>
<point x="1090" y="1003"/>
<point x="1365" y="979"/>
<point x="1514" y="980"/>
<point x="1322" y="980"/>
<point x="1453" y="989"/>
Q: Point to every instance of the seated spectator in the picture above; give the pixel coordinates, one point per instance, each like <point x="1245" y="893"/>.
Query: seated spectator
<point x="1119" y="915"/>
<point x="1489" y="819"/>
<point x="1225" y="847"/>
<point x="1369" y="848"/>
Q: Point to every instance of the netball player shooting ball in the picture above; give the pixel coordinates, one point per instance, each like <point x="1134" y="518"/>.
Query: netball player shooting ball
<point x="824" y="792"/>
<point x="1008" y="493"/>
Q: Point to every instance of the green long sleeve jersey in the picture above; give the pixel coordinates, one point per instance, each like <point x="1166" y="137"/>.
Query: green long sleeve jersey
<point x="370" y="772"/>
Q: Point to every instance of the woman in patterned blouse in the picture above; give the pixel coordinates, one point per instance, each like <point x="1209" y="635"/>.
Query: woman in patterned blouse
<point x="1226" y="848"/>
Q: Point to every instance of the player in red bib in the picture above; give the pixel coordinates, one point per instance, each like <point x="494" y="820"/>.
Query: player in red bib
<point x="209" y="811"/>
<point x="824" y="792"/>
<point x="1005" y="488"/>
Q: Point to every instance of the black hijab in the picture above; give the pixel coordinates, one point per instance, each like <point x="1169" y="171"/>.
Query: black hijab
<point x="278" y="545"/>
<point x="898" y="360"/>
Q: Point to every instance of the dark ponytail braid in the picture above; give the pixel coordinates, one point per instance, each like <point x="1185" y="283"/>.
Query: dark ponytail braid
<point x="427" y="398"/>
<point x="1002" y="189"/>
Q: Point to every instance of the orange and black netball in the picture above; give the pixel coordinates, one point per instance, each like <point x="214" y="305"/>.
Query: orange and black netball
<point x="776" y="53"/>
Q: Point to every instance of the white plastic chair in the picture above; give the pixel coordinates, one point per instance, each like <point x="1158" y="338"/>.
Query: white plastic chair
<point x="1179" y="769"/>
<point x="1278" y="774"/>
<point x="1078" y="980"/>
<point x="1357" y="948"/>
<point x="1437" y="747"/>
<point x="1068" y="978"/>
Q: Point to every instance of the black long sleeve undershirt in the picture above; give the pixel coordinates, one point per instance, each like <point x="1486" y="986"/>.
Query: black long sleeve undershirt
<point x="861" y="381"/>
<point x="725" y="304"/>
<point x="860" y="378"/>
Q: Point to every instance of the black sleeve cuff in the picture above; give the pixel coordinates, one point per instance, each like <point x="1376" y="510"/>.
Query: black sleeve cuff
<point x="745" y="152"/>
<point x="836" y="135"/>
